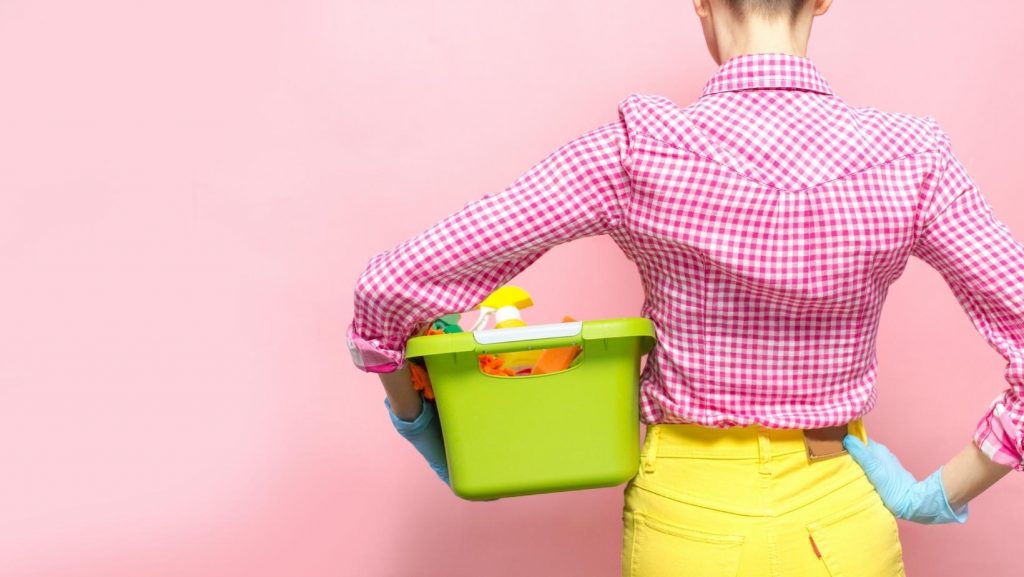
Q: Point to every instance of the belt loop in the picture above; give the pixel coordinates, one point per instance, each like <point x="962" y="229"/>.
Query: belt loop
<point x="652" y="449"/>
<point x="764" y="450"/>
<point x="857" y="429"/>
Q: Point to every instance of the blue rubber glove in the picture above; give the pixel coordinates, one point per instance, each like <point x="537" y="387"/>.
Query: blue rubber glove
<point x="906" y="497"/>
<point x="424" y="432"/>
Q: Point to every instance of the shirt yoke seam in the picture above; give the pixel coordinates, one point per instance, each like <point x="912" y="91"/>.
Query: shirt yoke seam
<point x="783" y="190"/>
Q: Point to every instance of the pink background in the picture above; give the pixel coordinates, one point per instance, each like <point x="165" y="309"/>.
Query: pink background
<point x="188" y="191"/>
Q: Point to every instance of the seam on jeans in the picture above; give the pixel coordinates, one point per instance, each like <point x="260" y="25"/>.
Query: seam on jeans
<point x="899" y="546"/>
<point x="642" y="483"/>
<point x="713" y="457"/>
<point x="632" y="546"/>
<point x="773" y="549"/>
<point x="771" y="527"/>
<point x="832" y="518"/>
<point x="650" y="459"/>
<point x="665" y="527"/>
<point x="822" y="496"/>
<point x="668" y="494"/>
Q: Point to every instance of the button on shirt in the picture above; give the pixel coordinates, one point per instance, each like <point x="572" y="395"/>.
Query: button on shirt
<point x="767" y="220"/>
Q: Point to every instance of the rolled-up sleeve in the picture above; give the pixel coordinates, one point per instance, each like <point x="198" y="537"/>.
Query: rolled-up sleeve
<point x="983" y="264"/>
<point x="581" y="189"/>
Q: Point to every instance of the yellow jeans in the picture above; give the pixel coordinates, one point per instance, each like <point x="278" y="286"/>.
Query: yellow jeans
<point x="746" y="502"/>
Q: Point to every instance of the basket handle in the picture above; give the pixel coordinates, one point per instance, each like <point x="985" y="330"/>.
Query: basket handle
<point x="548" y="336"/>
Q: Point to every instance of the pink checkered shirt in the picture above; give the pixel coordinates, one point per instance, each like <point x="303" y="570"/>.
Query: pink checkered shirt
<point x="767" y="220"/>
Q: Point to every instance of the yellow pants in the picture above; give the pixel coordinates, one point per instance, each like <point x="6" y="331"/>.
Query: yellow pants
<point x="747" y="502"/>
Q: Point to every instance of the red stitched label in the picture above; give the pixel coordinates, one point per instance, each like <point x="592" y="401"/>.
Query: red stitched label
<point x="815" y="547"/>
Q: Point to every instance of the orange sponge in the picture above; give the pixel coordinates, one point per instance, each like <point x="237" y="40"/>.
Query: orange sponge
<point x="554" y="360"/>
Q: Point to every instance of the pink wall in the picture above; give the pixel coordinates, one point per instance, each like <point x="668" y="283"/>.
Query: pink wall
<point x="188" y="191"/>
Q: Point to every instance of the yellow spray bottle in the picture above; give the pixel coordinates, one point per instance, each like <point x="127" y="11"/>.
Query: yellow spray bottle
<point x="506" y="304"/>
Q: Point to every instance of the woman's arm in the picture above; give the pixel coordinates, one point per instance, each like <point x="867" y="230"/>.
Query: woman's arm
<point x="415" y="419"/>
<point x="982" y="262"/>
<point x="959" y="235"/>
<point x="969" y="474"/>
<point x="579" y="190"/>
<point x="405" y="401"/>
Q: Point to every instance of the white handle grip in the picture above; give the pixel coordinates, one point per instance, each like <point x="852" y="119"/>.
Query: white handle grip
<point x="527" y="333"/>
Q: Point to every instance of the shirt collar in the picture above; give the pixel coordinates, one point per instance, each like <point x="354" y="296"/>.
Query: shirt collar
<point x="767" y="70"/>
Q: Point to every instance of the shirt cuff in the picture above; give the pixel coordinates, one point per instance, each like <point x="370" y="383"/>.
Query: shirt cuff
<point x="999" y="438"/>
<point x="371" y="357"/>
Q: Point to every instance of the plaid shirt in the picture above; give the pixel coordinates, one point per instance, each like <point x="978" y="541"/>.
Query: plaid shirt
<point x="767" y="220"/>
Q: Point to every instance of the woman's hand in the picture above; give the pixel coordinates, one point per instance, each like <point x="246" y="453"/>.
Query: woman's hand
<point x="906" y="497"/>
<point x="424" y="433"/>
<point x="415" y="418"/>
<point x="404" y="399"/>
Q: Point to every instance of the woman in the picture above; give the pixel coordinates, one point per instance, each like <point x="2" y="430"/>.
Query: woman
<point x="767" y="220"/>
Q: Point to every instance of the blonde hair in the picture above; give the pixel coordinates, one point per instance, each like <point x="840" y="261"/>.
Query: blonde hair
<point x="767" y="8"/>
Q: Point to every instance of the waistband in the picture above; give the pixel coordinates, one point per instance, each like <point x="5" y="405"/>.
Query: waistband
<point x="751" y="470"/>
<point x="739" y="442"/>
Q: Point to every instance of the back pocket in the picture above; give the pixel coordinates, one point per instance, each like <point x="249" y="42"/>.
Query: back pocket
<point x="859" y="541"/>
<point x="658" y="548"/>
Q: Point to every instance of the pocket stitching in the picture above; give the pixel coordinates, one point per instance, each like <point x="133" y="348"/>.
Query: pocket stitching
<point x="644" y="523"/>
<point x="692" y="534"/>
<point x="818" y="530"/>
<point x="833" y="518"/>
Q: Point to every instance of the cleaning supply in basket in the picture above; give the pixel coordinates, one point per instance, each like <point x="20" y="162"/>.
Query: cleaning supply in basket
<point x="506" y="304"/>
<point x="559" y="359"/>
<point x="494" y="365"/>
<point x="448" y="324"/>
<point x="509" y="300"/>
<point x="420" y="379"/>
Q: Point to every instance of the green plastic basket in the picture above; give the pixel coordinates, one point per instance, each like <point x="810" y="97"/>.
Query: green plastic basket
<point x="564" y="431"/>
